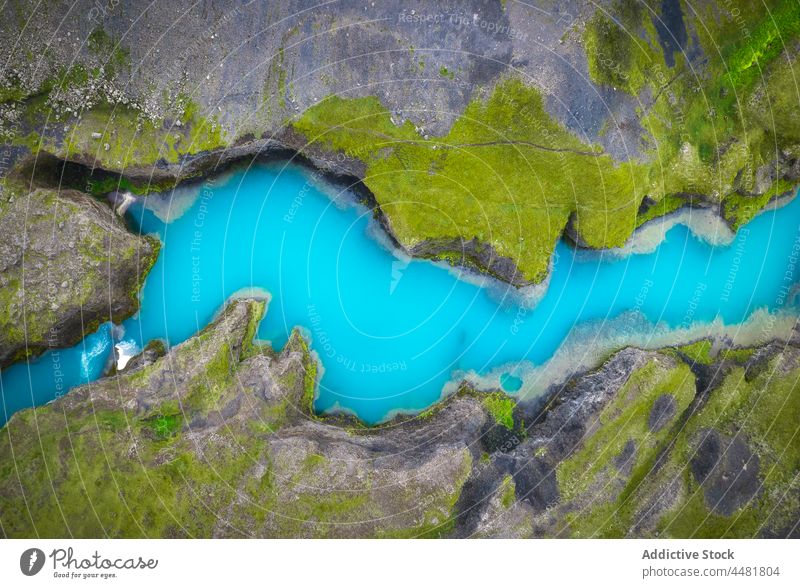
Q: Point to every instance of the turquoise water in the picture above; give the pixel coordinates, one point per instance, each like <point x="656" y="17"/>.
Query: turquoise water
<point x="392" y="332"/>
<point x="510" y="383"/>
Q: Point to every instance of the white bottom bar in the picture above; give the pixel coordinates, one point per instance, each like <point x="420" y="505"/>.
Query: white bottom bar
<point x="451" y="563"/>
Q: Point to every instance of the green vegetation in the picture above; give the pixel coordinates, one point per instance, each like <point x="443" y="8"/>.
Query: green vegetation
<point x="164" y="426"/>
<point x="698" y="352"/>
<point x="99" y="247"/>
<point x="501" y="407"/>
<point x="147" y="496"/>
<point x="510" y="176"/>
<point x="713" y="128"/>
<point x="666" y="205"/>
<point x="506" y="173"/>
<point x="114" y="56"/>
<point x="298" y="344"/>
<point x="764" y="412"/>
<point x="508" y="491"/>
<point x="739" y="355"/>
<point x="133" y="140"/>
<point x="438" y="518"/>
<point x="598" y="469"/>
<point x="160" y="474"/>
<point x="116" y="135"/>
<point x="617" y="56"/>
<point x="739" y="209"/>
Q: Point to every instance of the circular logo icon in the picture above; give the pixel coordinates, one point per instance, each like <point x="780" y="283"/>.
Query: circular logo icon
<point x="31" y="561"/>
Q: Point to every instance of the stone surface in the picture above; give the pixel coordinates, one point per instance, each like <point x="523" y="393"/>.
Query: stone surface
<point x="67" y="264"/>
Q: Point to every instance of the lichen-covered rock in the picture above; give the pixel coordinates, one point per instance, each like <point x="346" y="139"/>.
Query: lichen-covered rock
<point x="484" y="131"/>
<point x="67" y="264"/>
<point x="637" y="453"/>
<point x="219" y="428"/>
<point x="216" y="438"/>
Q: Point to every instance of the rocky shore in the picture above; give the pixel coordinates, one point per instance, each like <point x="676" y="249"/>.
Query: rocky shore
<point x="67" y="264"/>
<point x="138" y="108"/>
<point x="216" y="438"/>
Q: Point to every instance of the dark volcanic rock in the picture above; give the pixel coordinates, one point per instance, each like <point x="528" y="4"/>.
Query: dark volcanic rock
<point x="662" y="412"/>
<point x="727" y="469"/>
<point x="624" y="461"/>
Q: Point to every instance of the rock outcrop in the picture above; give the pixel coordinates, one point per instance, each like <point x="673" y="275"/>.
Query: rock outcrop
<point x="67" y="264"/>
<point x="216" y="439"/>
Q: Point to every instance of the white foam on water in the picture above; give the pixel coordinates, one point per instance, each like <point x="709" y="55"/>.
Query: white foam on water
<point x="99" y="348"/>
<point x="124" y="351"/>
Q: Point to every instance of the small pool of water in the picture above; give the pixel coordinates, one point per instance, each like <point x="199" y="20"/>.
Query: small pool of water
<point x="510" y="383"/>
<point x="392" y="332"/>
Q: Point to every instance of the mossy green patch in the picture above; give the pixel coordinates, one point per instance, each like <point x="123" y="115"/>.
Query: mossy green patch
<point x="605" y="467"/>
<point x="712" y="128"/>
<point x="666" y="205"/>
<point x="164" y="426"/>
<point x="120" y="136"/>
<point x="501" y="407"/>
<point x="739" y="209"/>
<point x="506" y="174"/>
<point x="764" y="412"/>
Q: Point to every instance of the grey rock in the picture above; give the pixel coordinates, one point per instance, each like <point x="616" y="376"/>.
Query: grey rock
<point x="662" y="413"/>
<point x="727" y="469"/>
<point x="46" y="235"/>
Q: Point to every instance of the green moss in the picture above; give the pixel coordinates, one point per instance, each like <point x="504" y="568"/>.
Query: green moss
<point x="249" y="345"/>
<point x="151" y="495"/>
<point x="74" y="76"/>
<point x="134" y="140"/>
<point x="164" y="426"/>
<point x="592" y="468"/>
<point x="739" y="355"/>
<point x="508" y="491"/>
<point x="95" y="246"/>
<point x="439" y="518"/>
<point x="501" y="407"/>
<point x="12" y="93"/>
<point x="297" y="343"/>
<point x="739" y="209"/>
<point x="506" y="174"/>
<point x="115" y="56"/>
<point x="747" y="53"/>
<point x="666" y="205"/>
<point x="764" y="412"/>
<point x="698" y="352"/>
<point x="617" y="56"/>
<point x="712" y="131"/>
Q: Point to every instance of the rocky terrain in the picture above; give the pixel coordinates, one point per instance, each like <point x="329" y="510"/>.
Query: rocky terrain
<point x="216" y="438"/>
<point x="67" y="264"/>
<point x="616" y="111"/>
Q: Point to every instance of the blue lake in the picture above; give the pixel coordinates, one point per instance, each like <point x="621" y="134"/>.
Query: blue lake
<point x="392" y="332"/>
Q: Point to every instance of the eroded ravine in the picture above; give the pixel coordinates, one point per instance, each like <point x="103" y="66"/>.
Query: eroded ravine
<point x="391" y="332"/>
